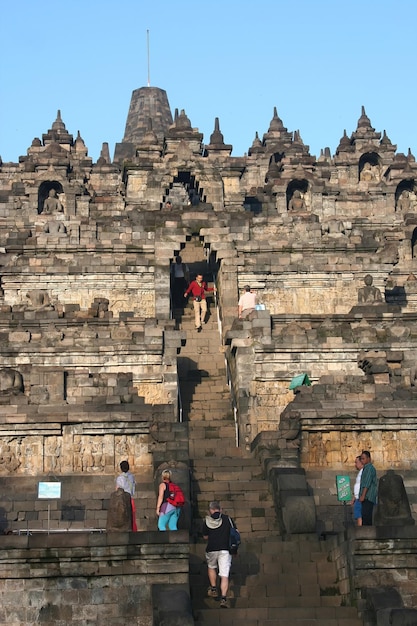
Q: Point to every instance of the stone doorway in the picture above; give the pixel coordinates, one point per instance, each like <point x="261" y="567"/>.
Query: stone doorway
<point x="195" y="259"/>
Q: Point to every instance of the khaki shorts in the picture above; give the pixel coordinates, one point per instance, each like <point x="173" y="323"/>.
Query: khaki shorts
<point x="221" y="560"/>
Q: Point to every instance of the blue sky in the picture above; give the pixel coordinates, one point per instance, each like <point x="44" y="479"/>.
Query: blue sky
<point x="317" y="62"/>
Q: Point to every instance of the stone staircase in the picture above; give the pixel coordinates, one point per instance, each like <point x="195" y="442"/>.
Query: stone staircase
<point x="272" y="582"/>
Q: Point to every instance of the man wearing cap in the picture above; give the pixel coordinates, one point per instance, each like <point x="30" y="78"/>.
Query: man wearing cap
<point x="216" y="531"/>
<point x="247" y="303"/>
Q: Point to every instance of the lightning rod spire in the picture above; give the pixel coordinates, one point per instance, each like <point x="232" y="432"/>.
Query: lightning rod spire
<point x="149" y="71"/>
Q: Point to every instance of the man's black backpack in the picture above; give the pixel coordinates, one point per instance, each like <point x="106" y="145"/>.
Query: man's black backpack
<point x="234" y="538"/>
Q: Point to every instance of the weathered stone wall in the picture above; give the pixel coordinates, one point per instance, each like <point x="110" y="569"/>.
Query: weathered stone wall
<point x="382" y="561"/>
<point x="381" y="558"/>
<point x="329" y="349"/>
<point x="89" y="578"/>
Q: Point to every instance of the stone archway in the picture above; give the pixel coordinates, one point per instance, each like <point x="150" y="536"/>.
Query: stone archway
<point x="296" y="194"/>
<point x="405" y="196"/>
<point x="44" y="189"/>
<point x="369" y="169"/>
<point x="184" y="190"/>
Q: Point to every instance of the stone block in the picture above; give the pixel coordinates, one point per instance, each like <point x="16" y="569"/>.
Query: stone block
<point x="299" y="515"/>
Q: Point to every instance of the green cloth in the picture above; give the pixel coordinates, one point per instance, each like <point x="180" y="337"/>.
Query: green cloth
<point x="369" y="480"/>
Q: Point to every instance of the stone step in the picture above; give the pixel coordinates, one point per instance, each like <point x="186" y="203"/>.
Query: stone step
<point x="206" y="389"/>
<point x="219" y="421"/>
<point x="215" y="378"/>
<point x="274" y="579"/>
<point x="210" y="390"/>
<point x="220" y="448"/>
<point x="209" y="401"/>
<point x="206" y="414"/>
<point x="222" y="476"/>
<point x="200" y="428"/>
<point x="193" y="380"/>
<point x="212" y="446"/>
<point x="230" y="463"/>
<point x="276" y="616"/>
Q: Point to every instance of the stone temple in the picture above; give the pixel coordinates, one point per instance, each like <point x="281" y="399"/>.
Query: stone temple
<point x="101" y="362"/>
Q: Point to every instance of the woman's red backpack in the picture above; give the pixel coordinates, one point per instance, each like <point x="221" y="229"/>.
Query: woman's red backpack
<point x="176" y="495"/>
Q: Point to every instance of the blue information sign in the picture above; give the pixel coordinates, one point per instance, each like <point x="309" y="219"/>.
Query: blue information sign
<point x="49" y="490"/>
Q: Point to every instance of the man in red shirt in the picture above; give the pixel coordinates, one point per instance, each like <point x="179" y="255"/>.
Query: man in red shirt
<point x="198" y="289"/>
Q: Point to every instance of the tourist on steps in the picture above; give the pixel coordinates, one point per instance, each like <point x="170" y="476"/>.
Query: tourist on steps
<point x="368" y="489"/>
<point x="216" y="531"/>
<point x="198" y="289"/>
<point x="180" y="277"/>
<point x="126" y="481"/>
<point x="247" y="303"/>
<point x="356" y="503"/>
<point x="167" y="513"/>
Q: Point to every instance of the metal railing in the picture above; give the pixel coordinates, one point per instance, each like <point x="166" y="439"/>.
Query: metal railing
<point x="228" y="373"/>
<point x="179" y="400"/>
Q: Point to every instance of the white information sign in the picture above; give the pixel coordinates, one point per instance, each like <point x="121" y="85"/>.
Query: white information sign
<point x="49" y="490"/>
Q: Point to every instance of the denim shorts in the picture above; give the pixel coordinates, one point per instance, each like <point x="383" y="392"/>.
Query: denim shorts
<point x="357" y="509"/>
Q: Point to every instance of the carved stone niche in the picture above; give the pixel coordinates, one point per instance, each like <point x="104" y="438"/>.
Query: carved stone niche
<point x="39" y="299"/>
<point x="49" y="202"/>
<point x="11" y="382"/>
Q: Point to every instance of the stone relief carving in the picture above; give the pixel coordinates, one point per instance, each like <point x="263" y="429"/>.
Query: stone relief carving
<point x="9" y="461"/>
<point x="52" y="460"/>
<point x="30" y="450"/>
<point x="77" y="454"/>
<point x="122" y="448"/>
<point x="87" y="457"/>
<point x="98" y="456"/>
<point x="92" y="456"/>
<point x="52" y="335"/>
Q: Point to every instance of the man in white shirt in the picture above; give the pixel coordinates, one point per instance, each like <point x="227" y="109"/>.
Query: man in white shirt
<point x="357" y="504"/>
<point x="247" y="303"/>
<point x="126" y="481"/>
